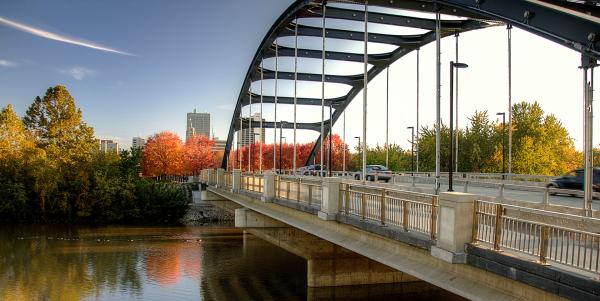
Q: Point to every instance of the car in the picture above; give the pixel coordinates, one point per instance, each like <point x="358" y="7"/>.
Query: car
<point x="378" y="172"/>
<point x="573" y="180"/>
<point x="313" y="170"/>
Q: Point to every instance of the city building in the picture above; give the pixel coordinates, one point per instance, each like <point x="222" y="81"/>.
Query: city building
<point x="219" y="144"/>
<point x="246" y="135"/>
<point x="108" y="146"/>
<point x="197" y="124"/>
<point x="138" y="142"/>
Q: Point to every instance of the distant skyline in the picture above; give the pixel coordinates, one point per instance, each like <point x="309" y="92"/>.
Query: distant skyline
<point x="137" y="69"/>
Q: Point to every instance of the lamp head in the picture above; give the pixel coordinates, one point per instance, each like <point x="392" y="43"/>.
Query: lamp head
<point x="460" y="65"/>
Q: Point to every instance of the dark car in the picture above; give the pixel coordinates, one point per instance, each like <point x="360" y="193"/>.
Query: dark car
<point x="573" y="180"/>
<point x="378" y="172"/>
<point x="314" y="170"/>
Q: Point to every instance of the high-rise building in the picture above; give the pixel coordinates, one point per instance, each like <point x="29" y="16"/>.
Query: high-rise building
<point x="138" y="142"/>
<point x="246" y="135"/>
<point x="219" y="144"/>
<point x="197" y="124"/>
<point x="108" y="146"/>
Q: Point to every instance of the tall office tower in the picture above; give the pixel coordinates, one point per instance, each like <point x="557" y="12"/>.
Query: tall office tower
<point x="138" y="142"/>
<point x="246" y="135"/>
<point x="197" y="124"/>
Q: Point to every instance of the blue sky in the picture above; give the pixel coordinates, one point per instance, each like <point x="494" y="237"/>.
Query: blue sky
<point x="148" y="63"/>
<point x="186" y="54"/>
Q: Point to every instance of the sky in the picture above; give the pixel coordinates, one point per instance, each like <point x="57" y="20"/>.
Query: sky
<point x="137" y="67"/>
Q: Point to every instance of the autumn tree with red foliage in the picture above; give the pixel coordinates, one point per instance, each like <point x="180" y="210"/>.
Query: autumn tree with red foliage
<point x="163" y="155"/>
<point x="198" y="154"/>
<point x="287" y="152"/>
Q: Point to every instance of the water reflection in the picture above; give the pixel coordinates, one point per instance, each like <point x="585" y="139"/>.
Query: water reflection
<point x="151" y="263"/>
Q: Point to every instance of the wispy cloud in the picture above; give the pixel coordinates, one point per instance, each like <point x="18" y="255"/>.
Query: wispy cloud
<point x="9" y="64"/>
<point x="57" y="37"/>
<point x="79" y="73"/>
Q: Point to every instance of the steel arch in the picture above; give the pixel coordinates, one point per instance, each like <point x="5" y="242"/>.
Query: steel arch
<point x="573" y="24"/>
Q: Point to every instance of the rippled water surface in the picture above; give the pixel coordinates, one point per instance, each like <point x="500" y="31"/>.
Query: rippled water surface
<point x="166" y="263"/>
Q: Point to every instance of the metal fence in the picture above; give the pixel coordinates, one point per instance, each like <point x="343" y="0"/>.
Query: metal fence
<point x="302" y="190"/>
<point x="227" y="178"/>
<point x="575" y="248"/>
<point x="415" y="212"/>
<point x="252" y="182"/>
<point x="212" y="177"/>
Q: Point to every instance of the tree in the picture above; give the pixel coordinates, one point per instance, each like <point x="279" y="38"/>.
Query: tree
<point x="163" y="155"/>
<point x="58" y="127"/>
<point x="541" y="145"/>
<point x="198" y="154"/>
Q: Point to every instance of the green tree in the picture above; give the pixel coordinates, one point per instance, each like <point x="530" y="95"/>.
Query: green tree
<point x="541" y="145"/>
<point x="58" y="127"/>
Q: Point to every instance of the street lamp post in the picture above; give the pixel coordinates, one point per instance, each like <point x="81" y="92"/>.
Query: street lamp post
<point x="503" y="131"/>
<point x="359" y="148"/>
<point x="250" y="155"/>
<point x="451" y="146"/>
<point x="412" y="149"/>
<point x="280" y="137"/>
<point x="280" y="153"/>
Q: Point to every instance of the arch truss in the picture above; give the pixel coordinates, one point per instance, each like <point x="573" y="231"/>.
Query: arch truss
<point x="574" y="24"/>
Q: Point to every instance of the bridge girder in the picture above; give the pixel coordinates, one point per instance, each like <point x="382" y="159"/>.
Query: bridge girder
<point x="574" y="25"/>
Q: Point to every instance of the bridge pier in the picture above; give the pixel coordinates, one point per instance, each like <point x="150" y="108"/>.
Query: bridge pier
<point x="328" y="264"/>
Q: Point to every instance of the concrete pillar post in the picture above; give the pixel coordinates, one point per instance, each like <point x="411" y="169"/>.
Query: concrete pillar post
<point x="210" y="177"/>
<point x="466" y="188"/>
<point x="331" y="198"/>
<point x="269" y="187"/>
<point x="220" y="177"/>
<point x="455" y="226"/>
<point x="236" y="182"/>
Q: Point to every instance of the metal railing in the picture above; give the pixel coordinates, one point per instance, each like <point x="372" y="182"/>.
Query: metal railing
<point x="227" y="179"/>
<point x="252" y="182"/>
<point x="414" y="212"/>
<point x="571" y="247"/>
<point x="302" y="190"/>
<point x="212" y="177"/>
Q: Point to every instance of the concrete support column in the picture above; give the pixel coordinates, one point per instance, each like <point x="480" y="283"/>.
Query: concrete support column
<point x="351" y="270"/>
<point x="455" y="226"/>
<point x="331" y="198"/>
<point x="210" y="178"/>
<point x="269" y="187"/>
<point x="236" y="182"/>
<point x="220" y="177"/>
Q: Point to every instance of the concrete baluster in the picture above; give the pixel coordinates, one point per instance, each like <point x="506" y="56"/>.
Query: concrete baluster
<point x="455" y="226"/>
<point x="331" y="198"/>
<point x="209" y="175"/>
<point x="269" y="187"/>
<point x="236" y="181"/>
<point x="220" y="177"/>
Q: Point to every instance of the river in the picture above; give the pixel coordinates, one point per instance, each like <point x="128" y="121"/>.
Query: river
<point x="208" y="262"/>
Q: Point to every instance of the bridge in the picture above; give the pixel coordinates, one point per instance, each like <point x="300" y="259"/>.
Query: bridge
<point x="354" y="233"/>
<point x="498" y="239"/>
